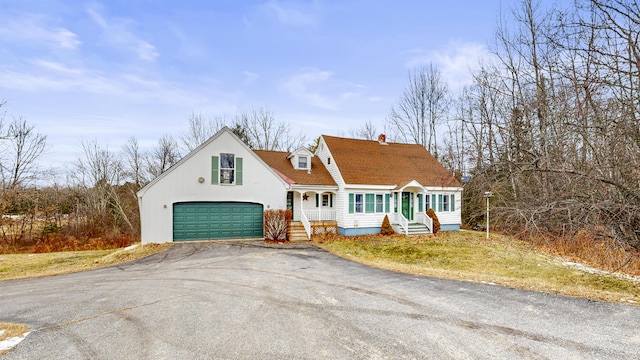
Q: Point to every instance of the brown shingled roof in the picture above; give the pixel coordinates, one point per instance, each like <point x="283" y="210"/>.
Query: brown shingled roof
<point x="369" y="162"/>
<point x="279" y="162"/>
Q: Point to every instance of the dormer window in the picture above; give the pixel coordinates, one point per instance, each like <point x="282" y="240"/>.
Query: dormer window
<point x="303" y="162"/>
<point x="301" y="159"/>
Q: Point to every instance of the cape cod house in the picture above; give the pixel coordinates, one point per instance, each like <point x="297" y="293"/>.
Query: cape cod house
<point x="221" y="189"/>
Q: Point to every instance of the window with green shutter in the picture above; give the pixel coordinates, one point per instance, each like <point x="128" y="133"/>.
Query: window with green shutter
<point x="351" y="204"/>
<point x="359" y="203"/>
<point x="370" y="204"/>
<point x="226" y="169"/>
<point x="379" y="203"/>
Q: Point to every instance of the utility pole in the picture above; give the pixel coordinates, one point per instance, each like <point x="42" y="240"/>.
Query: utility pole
<point x="487" y="195"/>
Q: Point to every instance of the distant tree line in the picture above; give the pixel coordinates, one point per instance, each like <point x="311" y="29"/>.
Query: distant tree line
<point x="550" y="125"/>
<point x="98" y="199"/>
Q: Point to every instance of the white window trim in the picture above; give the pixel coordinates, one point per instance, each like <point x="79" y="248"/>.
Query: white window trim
<point x="222" y="170"/>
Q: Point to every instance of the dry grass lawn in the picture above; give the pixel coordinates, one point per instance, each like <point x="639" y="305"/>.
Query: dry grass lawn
<point x="21" y="266"/>
<point x="468" y="256"/>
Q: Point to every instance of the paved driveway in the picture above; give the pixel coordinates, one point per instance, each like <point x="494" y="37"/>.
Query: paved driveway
<point x="251" y="301"/>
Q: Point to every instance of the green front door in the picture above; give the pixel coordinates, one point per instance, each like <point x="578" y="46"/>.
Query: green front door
<point x="217" y="220"/>
<point x="407" y="205"/>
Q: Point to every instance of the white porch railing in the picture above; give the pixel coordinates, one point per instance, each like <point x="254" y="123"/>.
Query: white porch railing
<point x="398" y="218"/>
<point x="424" y="219"/>
<point x="320" y="215"/>
<point x="306" y="224"/>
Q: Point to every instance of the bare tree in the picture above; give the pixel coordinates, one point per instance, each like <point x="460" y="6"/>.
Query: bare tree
<point x="422" y="107"/>
<point x="259" y="129"/>
<point x="199" y="130"/>
<point x="164" y="155"/>
<point x="366" y="131"/>
<point x="134" y="161"/>
<point x="25" y="147"/>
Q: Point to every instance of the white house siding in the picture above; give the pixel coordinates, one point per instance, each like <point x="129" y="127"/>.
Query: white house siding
<point x="449" y="220"/>
<point x="180" y="184"/>
<point x="361" y="223"/>
<point x="324" y="154"/>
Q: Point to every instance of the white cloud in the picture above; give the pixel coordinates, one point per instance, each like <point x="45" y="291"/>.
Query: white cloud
<point x="454" y="61"/>
<point x="57" y="67"/>
<point x="288" y="15"/>
<point x="304" y="86"/>
<point x="36" y="29"/>
<point x="250" y="77"/>
<point x="118" y="32"/>
<point x="50" y="76"/>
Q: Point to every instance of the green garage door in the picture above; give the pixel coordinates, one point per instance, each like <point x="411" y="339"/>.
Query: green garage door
<point x="216" y="220"/>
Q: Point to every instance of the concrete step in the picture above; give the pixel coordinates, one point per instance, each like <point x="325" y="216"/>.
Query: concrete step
<point x="418" y="229"/>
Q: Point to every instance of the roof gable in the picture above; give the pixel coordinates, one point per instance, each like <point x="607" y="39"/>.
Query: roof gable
<point x="371" y="162"/>
<point x="279" y="161"/>
<point x="224" y="130"/>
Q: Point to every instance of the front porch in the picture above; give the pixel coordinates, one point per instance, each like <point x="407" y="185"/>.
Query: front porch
<point x="313" y="211"/>
<point x="297" y="231"/>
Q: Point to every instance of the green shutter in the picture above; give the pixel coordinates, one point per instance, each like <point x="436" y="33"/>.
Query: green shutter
<point x="351" y="204"/>
<point x="238" y="171"/>
<point x="370" y="203"/>
<point x="214" y="170"/>
<point x="440" y="202"/>
<point x="433" y="202"/>
<point x="386" y="202"/>
<point x="317" y="200"/>
<point x="420" y="202"/>
<point x="453" y="202"/>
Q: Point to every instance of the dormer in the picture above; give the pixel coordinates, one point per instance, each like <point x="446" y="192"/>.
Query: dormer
<point x="301" y="159"/>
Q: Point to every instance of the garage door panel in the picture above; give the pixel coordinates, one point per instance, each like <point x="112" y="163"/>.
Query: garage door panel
<point x="217" y="220"/>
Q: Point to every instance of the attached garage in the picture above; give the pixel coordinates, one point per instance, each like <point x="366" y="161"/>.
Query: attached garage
<point x="217" y="220"/>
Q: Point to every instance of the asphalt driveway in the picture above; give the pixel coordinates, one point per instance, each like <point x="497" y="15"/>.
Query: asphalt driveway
<point x="247" y="300"/>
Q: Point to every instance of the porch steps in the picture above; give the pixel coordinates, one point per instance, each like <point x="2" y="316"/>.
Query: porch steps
<point x="417" y="229"/>
<point x="296" y="232"/>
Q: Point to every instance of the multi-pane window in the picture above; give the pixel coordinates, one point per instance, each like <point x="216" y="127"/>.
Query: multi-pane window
<point x="379" y="203"/>
<point x="359" y="203"/>
<point x="427" y="202"/>
<point x="445" y="203"/>
<point x="227" y="168"/>
<point x="302" y="162"/>
<point x="325" y="200"/>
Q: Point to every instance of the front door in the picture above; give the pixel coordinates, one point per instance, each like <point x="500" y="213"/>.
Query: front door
<point x="407" y="205"/>
<point x="290" y="202"/>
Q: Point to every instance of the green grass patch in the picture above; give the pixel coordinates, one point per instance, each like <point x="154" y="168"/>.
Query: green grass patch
<point x="21" y="266"/>
<point x="468" y="256"/>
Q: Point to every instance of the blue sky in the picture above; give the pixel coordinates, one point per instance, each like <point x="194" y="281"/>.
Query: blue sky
<point x="85" y="70"/>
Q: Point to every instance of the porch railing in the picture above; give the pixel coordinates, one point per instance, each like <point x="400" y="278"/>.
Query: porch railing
<point x="398" y="218"/>
<point x="424" y="219"/>
<point x="306" y="224"/>
<point x="320" y="215"/>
